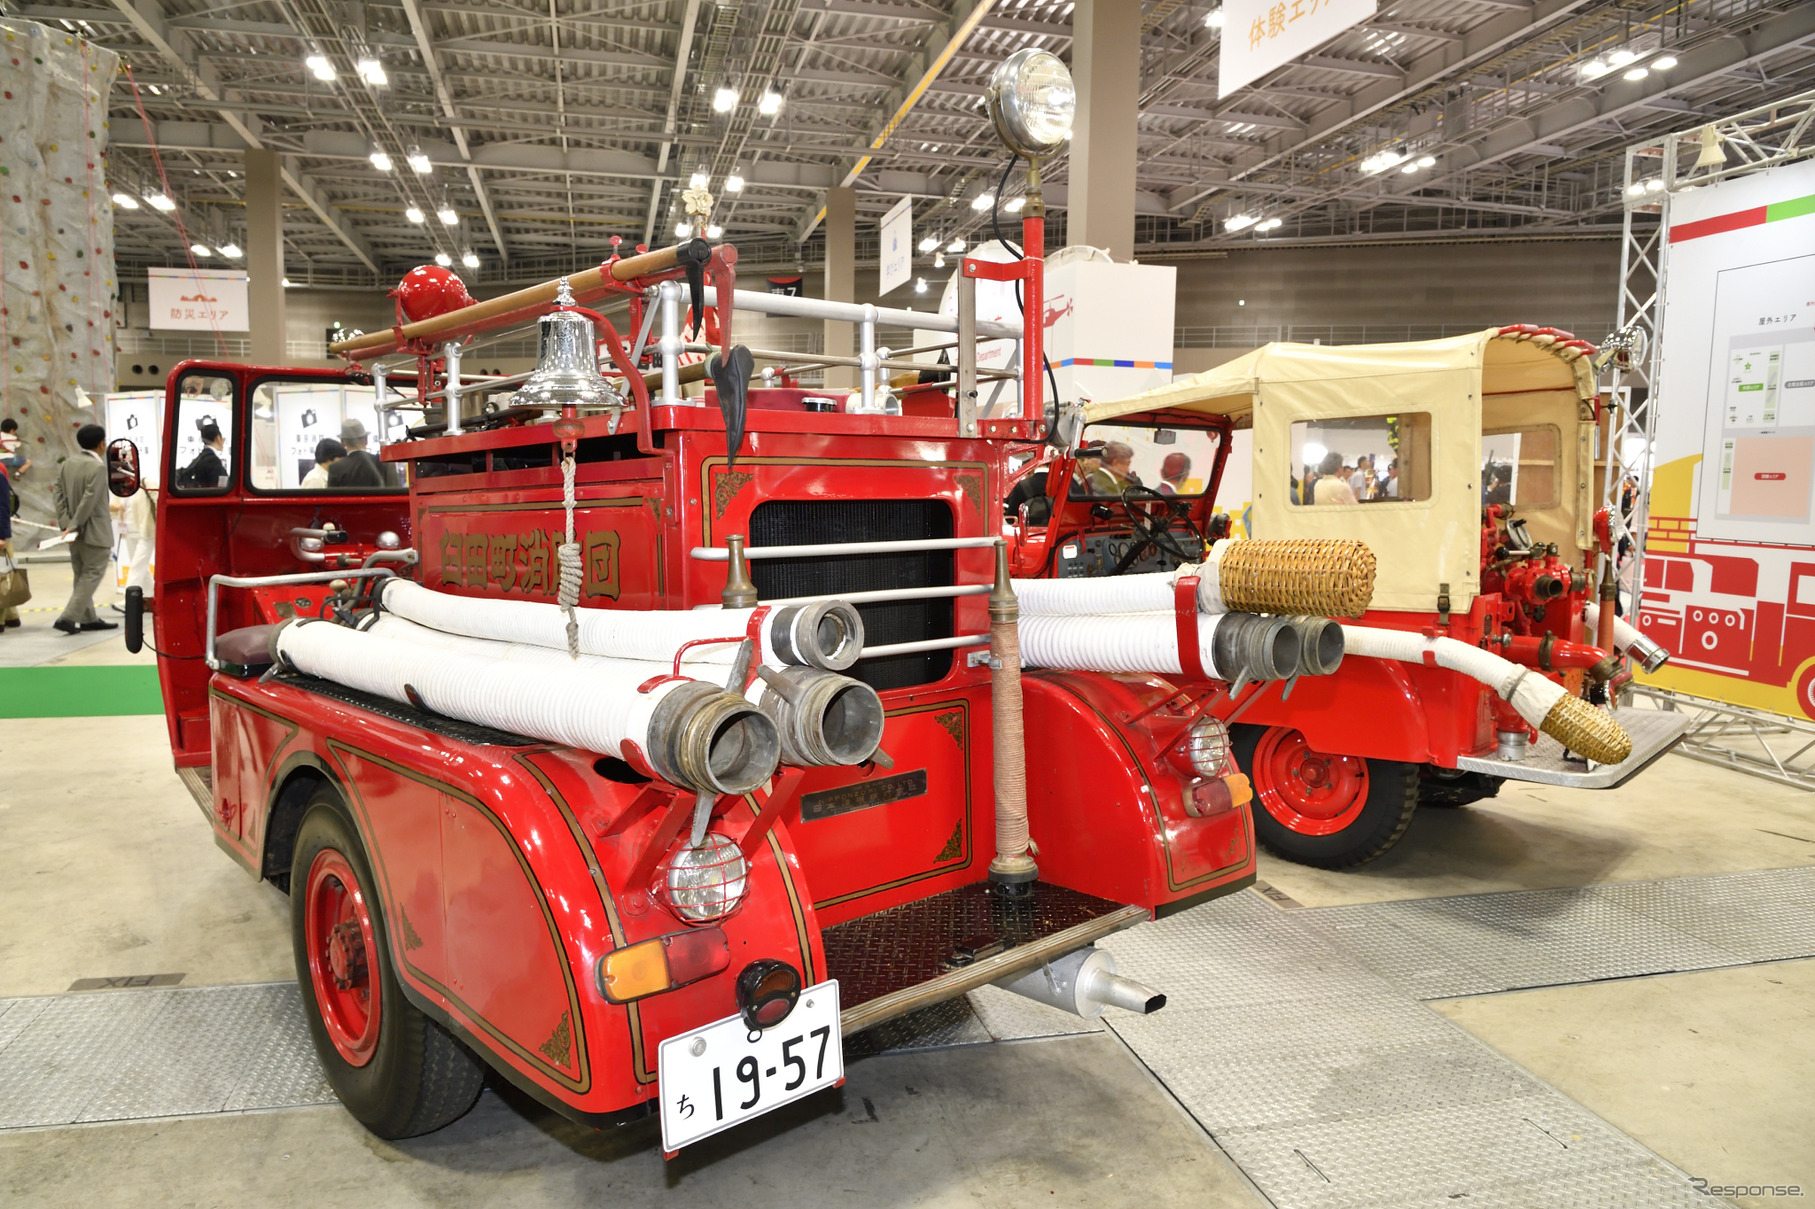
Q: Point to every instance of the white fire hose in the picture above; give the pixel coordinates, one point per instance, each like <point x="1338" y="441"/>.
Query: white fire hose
<point x="1628" y="641"/>
<point x="1236" y="647"/>
<point x="826" y="634"/>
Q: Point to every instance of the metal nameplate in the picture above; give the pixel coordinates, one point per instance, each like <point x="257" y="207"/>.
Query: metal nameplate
<point x="830" y="802"/>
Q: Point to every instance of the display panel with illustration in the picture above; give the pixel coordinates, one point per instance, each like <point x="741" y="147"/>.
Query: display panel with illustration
<point x="1368" y="460"/>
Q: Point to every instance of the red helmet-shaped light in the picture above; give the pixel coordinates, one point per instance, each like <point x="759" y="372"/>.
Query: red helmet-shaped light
<point x="430" y="290"/>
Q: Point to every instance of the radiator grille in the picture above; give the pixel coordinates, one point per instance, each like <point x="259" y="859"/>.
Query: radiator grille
<point x="813" y="522"/>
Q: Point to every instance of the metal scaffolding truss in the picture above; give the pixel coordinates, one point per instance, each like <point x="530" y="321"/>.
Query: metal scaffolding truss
<point x="1731" y="735"/>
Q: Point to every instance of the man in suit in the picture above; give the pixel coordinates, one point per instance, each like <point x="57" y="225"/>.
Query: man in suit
<point x="81" y="499"/>
<point x="359" y="468"/>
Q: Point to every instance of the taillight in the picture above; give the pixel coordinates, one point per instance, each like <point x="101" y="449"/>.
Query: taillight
<point x="662" y="964"/>
<point x="766" y="992"/>
<point x="703" y="884"/>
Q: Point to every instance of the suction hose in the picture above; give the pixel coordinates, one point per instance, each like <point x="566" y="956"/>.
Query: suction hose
<point x="1328" y="577"/>
<point x="1628" y="641"/>
<point x="1231" y="646"/>
<point x="826" y="634"/>
<point x="1543" y="703"/>
<point x="822" y="718"/>
<point x="689" y="732"/>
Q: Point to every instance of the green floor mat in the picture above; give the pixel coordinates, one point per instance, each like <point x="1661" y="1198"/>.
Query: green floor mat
<point x="78" y="692"/>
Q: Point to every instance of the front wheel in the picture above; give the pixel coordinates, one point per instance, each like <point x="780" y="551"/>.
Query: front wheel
<point x="1316" y="808"/>
<point x="396" y="1070"/>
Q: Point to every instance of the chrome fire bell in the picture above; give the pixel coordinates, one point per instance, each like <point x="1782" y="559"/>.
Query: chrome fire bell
<point x="567" y="364"/>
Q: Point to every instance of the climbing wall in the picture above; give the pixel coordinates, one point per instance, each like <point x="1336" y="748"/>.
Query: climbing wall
<point x="57" y="287"/>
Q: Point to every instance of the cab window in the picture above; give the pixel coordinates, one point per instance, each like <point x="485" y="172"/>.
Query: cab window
<point x="320" y="436"/>
<point x="1519" y="466"/>
<point x="203" y="437"/>
<point x="1171" y="461"/>
<point x="1365" y="460"/>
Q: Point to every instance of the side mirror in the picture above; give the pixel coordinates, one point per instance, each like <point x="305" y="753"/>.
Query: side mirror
<point x="123" y="468"/>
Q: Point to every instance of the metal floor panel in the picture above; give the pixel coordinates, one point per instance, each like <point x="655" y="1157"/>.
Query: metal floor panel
<point x="132" y="1054"/>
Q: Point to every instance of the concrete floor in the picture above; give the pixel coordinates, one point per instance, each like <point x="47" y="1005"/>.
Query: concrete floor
<point x="106" y="869"/>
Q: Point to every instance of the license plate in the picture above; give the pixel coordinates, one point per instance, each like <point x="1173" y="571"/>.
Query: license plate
<point x="724" y="1074"/>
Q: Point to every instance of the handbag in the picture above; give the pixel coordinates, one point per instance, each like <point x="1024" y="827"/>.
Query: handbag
<point x="15" y="588"/>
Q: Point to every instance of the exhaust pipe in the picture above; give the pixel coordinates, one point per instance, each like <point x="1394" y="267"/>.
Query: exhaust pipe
<point x="823" y="718"/>
<point x="1084" y="982"/>
<point x="712" y="741"/>
<point x="1320" y="645"/>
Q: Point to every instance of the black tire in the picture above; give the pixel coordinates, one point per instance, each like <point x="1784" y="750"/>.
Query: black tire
<point x="418" y="1077"/>
<point x="1448" y="788"/>
<point x="1392" y="799"/>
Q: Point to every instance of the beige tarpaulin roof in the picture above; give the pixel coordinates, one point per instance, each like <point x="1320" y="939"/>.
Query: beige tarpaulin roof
<point x="1415" y="372"/>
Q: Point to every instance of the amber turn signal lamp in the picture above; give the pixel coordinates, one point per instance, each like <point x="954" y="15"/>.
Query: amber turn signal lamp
<point x="766" y="992"/>
<point x="651" y="966"/>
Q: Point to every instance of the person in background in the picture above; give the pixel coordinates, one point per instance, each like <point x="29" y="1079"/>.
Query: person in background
<point x="9" y="618"/>
<point x="16" y="463"/>
<point x="358" y="468"/>
<point x="1332" y="486"/>
<point x="1362" y="481"/>
<point x="1173" y="472"/>
<point x="81" y="497"/>
<point x="141" y="535"/>
<point x="1116" y="474"/>
<point x="327" y="452"/>
<point x="207" y="471"/>
<point x="1499" y="484"/>
<point x="1085" y="464"/>
<point x="1390" y="489"/>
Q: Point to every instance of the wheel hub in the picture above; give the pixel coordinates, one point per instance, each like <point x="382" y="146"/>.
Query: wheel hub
<point x="1305" y="790"/>
<point x="347" y="955"/>
<point x="339" y="939"/>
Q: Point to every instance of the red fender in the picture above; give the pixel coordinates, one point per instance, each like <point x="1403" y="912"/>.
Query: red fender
<point x="1367" y="707"/>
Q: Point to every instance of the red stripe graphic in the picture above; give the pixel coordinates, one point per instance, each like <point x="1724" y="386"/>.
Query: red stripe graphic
<point x="1719" y="223"/>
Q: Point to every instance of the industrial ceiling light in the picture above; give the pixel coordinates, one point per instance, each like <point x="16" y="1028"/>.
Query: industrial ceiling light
<point x="1214" y="18"/>
<point x="735" y="182"/>
<point x="714" y="231"/>
<point x="983" y="201"/>
<point x="1635" y="189"/>
<point x="1594" y="69"/>
<point x="1621" y="57"/>
<point x="683" y="229"/>
<point x="414" y="214"/>
<point x="1238" y="222"/>
<point x="1427" y="161"/>
<point x="938" y="260"/>
<point x="920" y="286"/>
<point x="448" y="215"/>
<point x="443" y="259"/>
<point x="381" y="160"/>
<point x="770" y="103"/>
<point x="1663" y="63"/>
<point x="372" y="71"/>
<point x="470" y="259"/>
<point x="1031" y="100"/>
<point x="1409" y="169"/>
<point x="1636" y="73"/>
<point x="1655" y="185"/>
<point x="419" y="163"/>
<point x="125" y="201"/>
<point x="700" y="178"/>
<point x="1014" y="204"/>
<point x="288" y="284"/>
<point x="319" y="67"/>
<point x="160" y="202"/>
<point x="725" y="99"/>
<point x="928" y="243"/>
<point x="1271" y="224"/>
<point x="231" y="251"/>
<point x="201" y="249"/>
<point x="957" y="245"/>
<point x="1380" y="161"/>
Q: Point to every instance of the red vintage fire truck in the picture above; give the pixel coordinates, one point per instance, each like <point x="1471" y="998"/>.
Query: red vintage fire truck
<point x="713" y="872"/>
<point x="1477" y="499"/>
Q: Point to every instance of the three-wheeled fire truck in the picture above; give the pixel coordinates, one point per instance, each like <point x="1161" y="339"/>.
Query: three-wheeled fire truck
<point x="640" y="747"/>
<point x="1468" y="466"/>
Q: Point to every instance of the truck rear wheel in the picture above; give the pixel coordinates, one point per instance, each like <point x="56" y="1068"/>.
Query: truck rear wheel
<point x="1331" y="811"/>
<point x="396" y="1070"/>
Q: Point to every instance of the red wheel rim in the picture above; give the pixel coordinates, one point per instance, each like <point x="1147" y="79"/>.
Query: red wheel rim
<point x="1304" y="789"/>
<point x="343" y="956"/>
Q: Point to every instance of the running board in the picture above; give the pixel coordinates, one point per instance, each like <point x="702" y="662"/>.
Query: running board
<point x="200" y="784"/>
<point x="1653" y="731"/>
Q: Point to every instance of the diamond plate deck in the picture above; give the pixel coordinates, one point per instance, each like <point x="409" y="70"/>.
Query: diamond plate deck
<point x="1653" y="733"/>
<point x="128" y="1055"/>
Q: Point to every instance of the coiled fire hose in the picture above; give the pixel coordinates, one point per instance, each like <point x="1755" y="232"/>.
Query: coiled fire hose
<point x="1543" y="703"/>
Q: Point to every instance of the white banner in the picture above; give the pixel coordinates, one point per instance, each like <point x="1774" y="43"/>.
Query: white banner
<point x="897" y="246"/>
<point x="1729" y="577"/>
<point x="199" y="300"/>
<point x="1259" y="35"/>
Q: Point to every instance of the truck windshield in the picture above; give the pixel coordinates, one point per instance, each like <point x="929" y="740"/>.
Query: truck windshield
<point x="1169" y="460"/>
<point x="320" y="436"/>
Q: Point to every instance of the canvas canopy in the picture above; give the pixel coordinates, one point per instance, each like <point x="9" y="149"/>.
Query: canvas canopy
<point x="1437" y="392"/>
